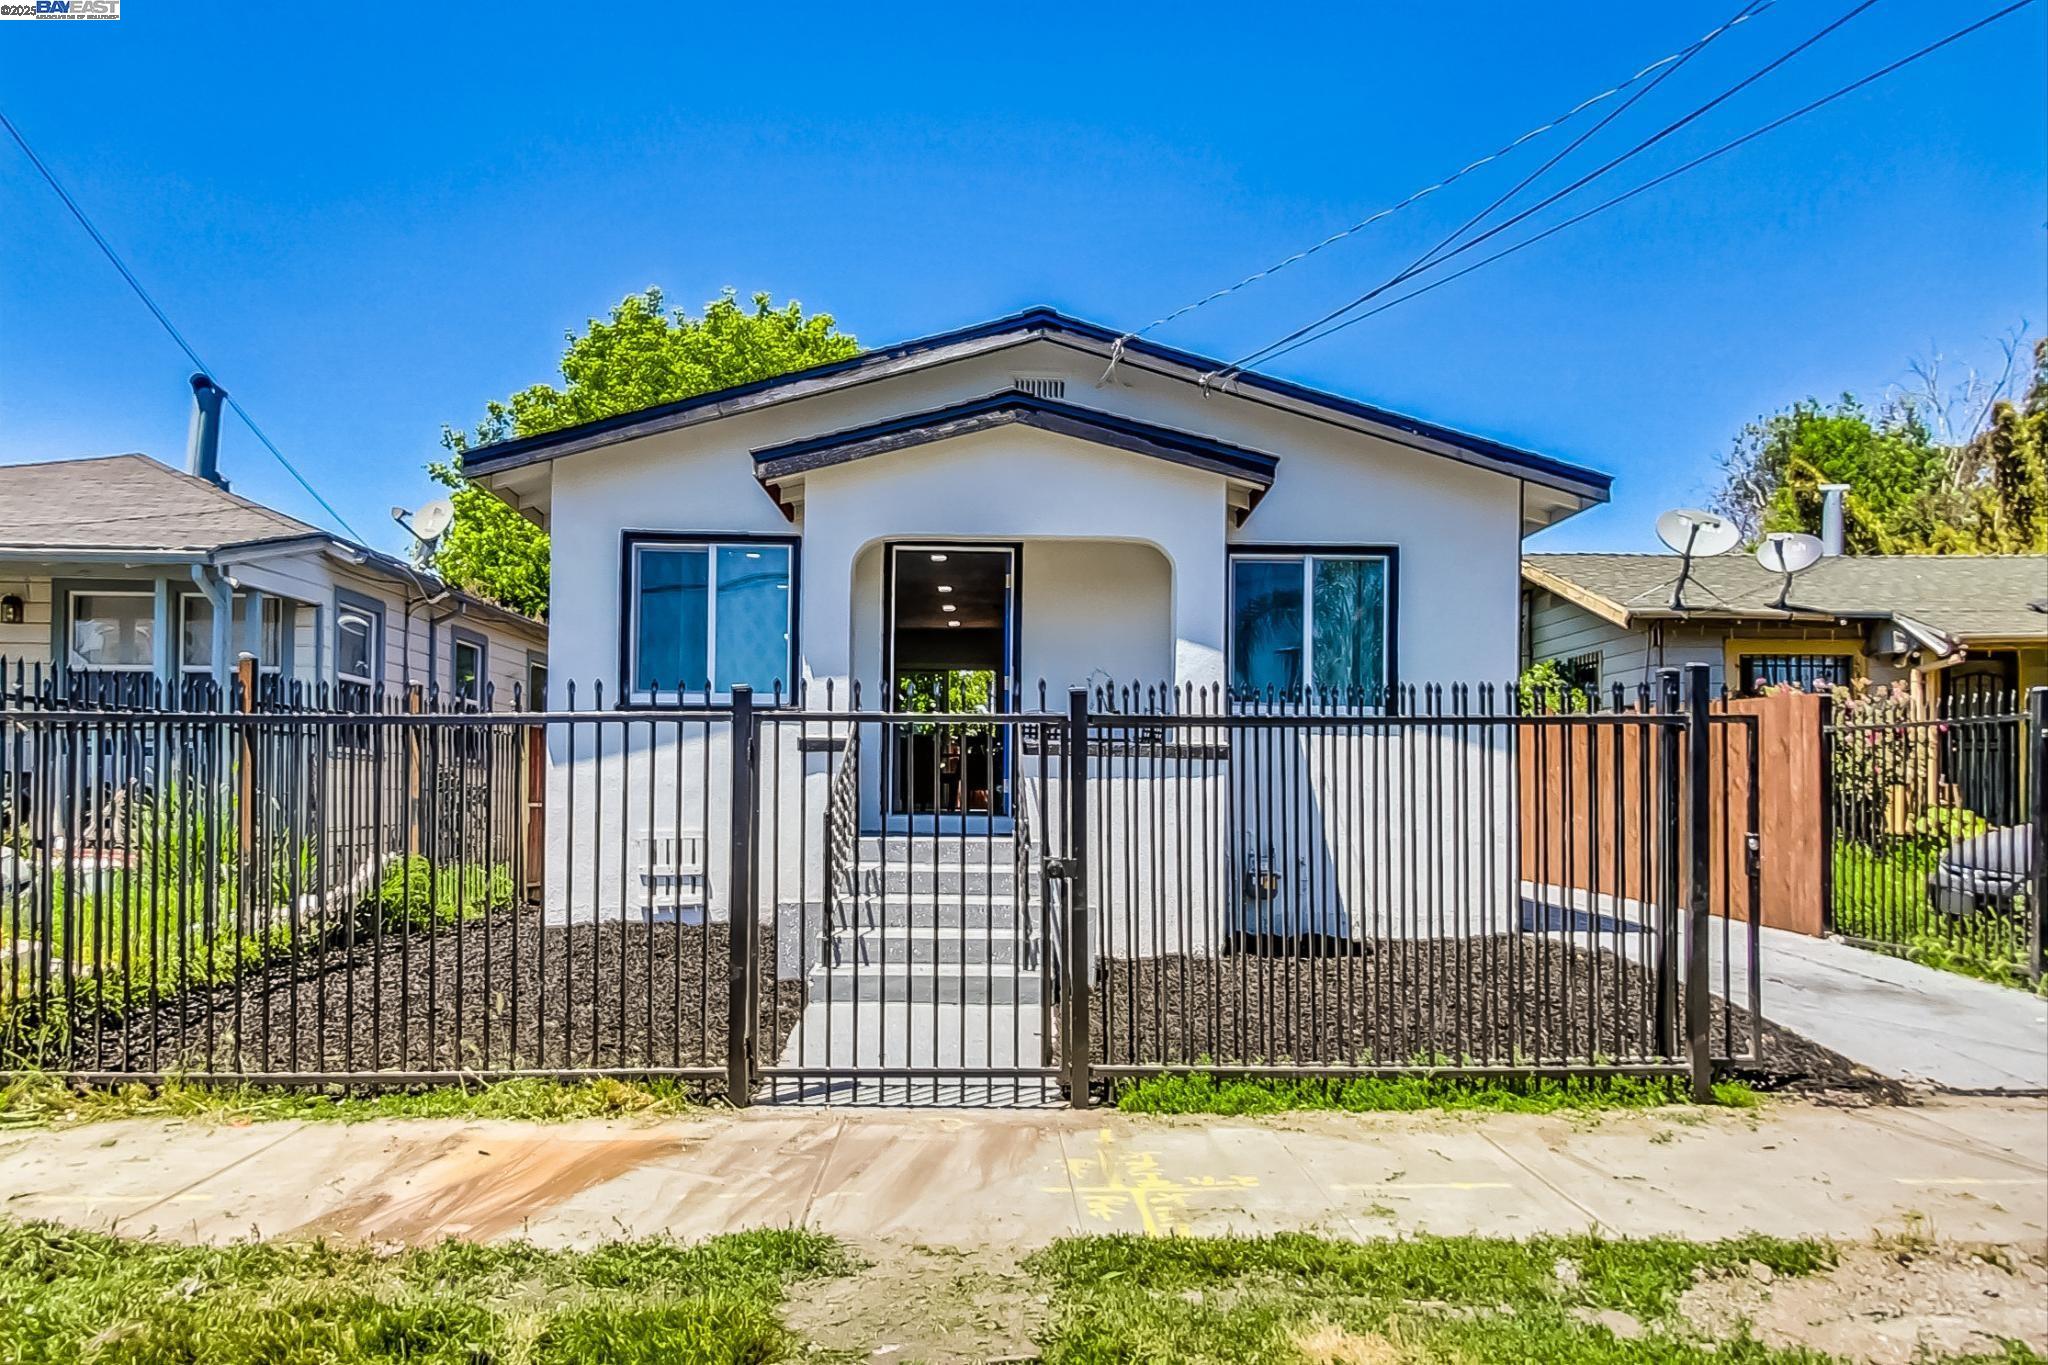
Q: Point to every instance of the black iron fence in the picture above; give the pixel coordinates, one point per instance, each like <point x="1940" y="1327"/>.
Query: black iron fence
<point x="812" y="897"/>
<point x="1936" y="819"/>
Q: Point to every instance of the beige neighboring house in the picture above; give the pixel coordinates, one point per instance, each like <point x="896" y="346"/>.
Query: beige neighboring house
<point x="1945" y="625"/>
<point x="121" y="565"/>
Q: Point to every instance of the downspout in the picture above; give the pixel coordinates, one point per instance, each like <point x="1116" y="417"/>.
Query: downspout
<point x="215" y="588"/>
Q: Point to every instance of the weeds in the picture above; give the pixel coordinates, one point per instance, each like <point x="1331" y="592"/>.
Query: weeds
<point x="1297" y="1297"/>
<point x="1202" y="1092"/>
<point x="48" y="1101"/>
<point x="71" y="1296"/>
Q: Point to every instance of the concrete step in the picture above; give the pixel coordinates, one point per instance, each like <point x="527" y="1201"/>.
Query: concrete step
<point x="946" y="984"/>
<point x="954" y="946"/>
<point x="976" y="912"/>
<point x="923" y="878"/>
<point x="971" y="849"/>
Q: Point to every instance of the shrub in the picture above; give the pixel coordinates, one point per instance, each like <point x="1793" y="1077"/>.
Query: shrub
<point x="417" y="895"/>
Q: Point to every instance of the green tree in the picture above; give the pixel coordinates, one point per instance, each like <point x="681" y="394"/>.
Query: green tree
<point x="1909" y="492"/>
<point x="639" y="357"/>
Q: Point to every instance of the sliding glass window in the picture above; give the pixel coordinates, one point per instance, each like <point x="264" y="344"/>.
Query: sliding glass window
<point x="707" y="616"/>
<point x="1310" y="624"/>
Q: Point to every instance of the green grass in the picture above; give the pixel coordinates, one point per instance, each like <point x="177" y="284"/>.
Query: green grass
<point x="1880" y="897"/>
<point x="72" y="1296"/>
<point x="1201" y="1092"/>
<point x="45" y="1101"/>
<point x="1302" y="1298"/>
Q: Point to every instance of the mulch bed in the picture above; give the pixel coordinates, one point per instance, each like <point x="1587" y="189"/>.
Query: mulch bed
<point x="502" y="992"/>
<point x="1493" y="1001"/>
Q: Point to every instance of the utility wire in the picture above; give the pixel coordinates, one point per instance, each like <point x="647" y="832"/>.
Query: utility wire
<point x="1273" y="347"/>
<point x="106" y="249"/>
<point x="1539" y="130"/>
<point x="1429" y="257"/>
<point x="1671" y="174"/>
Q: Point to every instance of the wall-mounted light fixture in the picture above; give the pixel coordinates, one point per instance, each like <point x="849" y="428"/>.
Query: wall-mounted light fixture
<point x="10" y="610"/>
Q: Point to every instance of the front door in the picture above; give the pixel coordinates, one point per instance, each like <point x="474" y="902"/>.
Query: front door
<point x="951" y="640"/>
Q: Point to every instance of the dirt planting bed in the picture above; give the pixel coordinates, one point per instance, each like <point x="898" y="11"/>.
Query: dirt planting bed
<point x="1491" y="1001"/>
<point x="503" y="992"/>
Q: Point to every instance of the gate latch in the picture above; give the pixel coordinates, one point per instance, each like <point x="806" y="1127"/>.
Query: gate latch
<point x="1063" y="868"/>
<point x="1755" y="845"/>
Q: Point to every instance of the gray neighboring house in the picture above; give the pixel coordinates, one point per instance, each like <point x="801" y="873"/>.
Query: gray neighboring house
<point x="121" y="565"/>
<point x="1942" y="624"/>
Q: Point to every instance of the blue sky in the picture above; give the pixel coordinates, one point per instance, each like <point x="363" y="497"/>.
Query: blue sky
<point x="371" y="219"/>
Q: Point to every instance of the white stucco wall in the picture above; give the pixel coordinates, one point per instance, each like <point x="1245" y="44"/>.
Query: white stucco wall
<point x="1125" y="556"/>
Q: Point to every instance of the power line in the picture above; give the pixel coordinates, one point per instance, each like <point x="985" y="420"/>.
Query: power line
<point x="1539" y="130"/>
<point x="1274" y="347"/>
<point x="163" y="319"/>
<point x="1671" y="174"/>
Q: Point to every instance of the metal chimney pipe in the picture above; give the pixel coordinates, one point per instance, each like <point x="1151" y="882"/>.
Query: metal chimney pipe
<point x="202" y="445"/>
<point x="1831" y="533"/>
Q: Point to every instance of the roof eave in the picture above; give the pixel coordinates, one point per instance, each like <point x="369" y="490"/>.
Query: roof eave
<point x="1590" y="486"/>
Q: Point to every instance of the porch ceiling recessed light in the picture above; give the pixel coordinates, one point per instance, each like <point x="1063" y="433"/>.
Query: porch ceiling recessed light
<point x="947" y="607"/>
<point x="753" y="554"/>
<point x="938" y="559"/>
<point x="945" y="587"/>
<point x="953" y="625"/>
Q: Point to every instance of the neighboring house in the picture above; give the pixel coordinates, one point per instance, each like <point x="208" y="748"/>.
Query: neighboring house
<point x="1944" y="625"/>
<point x="118" y="566"/>
<point x="963" y="517"/>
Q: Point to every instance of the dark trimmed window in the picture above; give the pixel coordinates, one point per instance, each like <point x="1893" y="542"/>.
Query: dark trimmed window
<point x="706" y="615"/>
<point x="1315" y="621"/>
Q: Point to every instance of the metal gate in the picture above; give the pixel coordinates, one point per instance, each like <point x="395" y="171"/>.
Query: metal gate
<point x="906" y="899"/>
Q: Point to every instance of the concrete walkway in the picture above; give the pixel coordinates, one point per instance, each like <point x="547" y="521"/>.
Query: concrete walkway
<point x="1971" y="1169"/>
<point x="1898" y="1018"/>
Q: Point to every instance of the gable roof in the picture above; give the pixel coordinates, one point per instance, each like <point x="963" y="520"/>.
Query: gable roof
<point x="1963" y="597"/>
<point x="793" y="459"/>
<point x="129" y="502"/>
<point x="139" y="509"/>
<point x="1018" y="328"/>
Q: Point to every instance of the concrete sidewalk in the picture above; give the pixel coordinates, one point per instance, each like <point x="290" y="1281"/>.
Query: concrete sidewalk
<point x="1900" y="1019"/>
<point x="1971" y="1169"/>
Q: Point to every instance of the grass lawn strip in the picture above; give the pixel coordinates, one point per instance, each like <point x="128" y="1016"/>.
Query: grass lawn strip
<point x="1202" y="1092"/>
<point x="73" y="1296"/>
<point x="1302" y="1298"/>
<point x="33" y="1101"/>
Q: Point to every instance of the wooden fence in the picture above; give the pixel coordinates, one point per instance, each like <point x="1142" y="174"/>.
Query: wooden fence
<point x="1582" y="791"/>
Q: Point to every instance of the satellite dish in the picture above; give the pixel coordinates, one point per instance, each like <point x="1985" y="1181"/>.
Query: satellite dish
<point x="1788" y="553"/>
<point x="1689" y="531"/>
<point x="432" y="519"/>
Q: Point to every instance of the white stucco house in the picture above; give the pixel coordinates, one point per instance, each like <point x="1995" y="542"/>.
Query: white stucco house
<point x="951" y="521"/>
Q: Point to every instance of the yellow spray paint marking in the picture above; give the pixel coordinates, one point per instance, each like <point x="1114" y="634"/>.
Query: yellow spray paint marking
<point x="1112" y="1181"/>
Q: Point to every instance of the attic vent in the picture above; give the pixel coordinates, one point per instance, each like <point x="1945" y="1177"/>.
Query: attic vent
<point x="1041" y="386"/>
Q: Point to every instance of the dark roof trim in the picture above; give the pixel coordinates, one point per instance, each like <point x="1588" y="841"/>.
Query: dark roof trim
<point x="1031" y="323"/>
<point x="776" y="463"/>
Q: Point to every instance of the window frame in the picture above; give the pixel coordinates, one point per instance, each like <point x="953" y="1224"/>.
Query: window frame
<point x="71" y="659"/>
<point x="631" y="545"/>
<point x="461" y="638"/>
<point x="269" y="661"/>
<point x="344" y="603"/>
<point x="536" y="698"/>
<point x="1390" y="614"/>
<point x="1834" y="659"/>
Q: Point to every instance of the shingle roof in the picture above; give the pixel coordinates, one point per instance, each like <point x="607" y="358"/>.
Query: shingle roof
<point x="1963" y="596"/>
<point x="134" y="504"/>
<point x="129" y="502"/>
